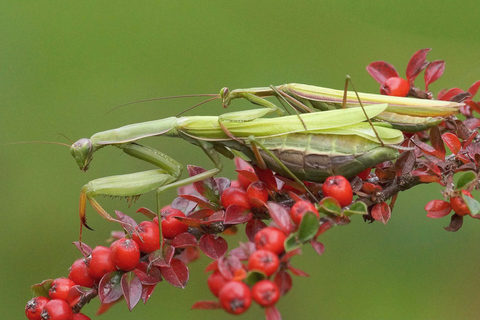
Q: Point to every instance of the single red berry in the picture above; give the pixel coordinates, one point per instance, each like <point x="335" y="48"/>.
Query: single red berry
<point x="395" y="86"/>
<point x="257" y="190"/>
<point x="234" y="196"/>
<point x="101" y="262"/>
<point x="172" y="227"/>
<point x="150" y="236"/>
<point x="57" y="309"/>
<point x="216" y="281"/>
<point x="459" y="205"/>
<point x="266" y="293"/>
<point x="271" y="239"/>
<point x="338" y="188"/>
<point x="80" y="316"/>
<point x="126" y="254"/>
<point x="60" y="288"/>
<point x="364" y="174"/>
<point x="34" y="307"/>
<point x="79" y="274"/>
<point x="264" y="261"/>
<point x="235" y="297"/>
<point x="299" y="209"/>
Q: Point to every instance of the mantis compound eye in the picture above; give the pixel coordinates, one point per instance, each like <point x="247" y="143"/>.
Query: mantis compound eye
<point x="82" y="151"/>
<point x="224" y="92"/>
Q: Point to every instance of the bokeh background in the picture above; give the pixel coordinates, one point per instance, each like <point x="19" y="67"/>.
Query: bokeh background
<point x="64" y="64"/>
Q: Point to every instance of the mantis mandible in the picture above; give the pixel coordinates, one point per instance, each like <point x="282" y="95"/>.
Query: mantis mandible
<point x="405" y="114"/>
<point x="309" y="146"/>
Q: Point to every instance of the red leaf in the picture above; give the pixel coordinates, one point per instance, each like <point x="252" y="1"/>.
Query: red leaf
<point x="470" y="139"/>
<point x="206" y="187"/>
<point x="266" y="175"/>
<point x="184" y="240"/>
<point x="147" y="291"/>
<point x="298" y="272"/>
<point x="434" y="71"/>
<point x="84" y="248"/>
<point x="280" y="216"/>
<point x="228" y="266"/>
<point x="381" y="212"/>
<point x="104" y="307"/>
<point x="318" y="246"/>
<point x="474" y="88"/>
<point x="252" y="227"/>
<point x="147" y="212"/>
<point x="446" y="96"/>
<point x="201" y="201"/>
<point x="452" y="142"/>
<point x="436" y="141"/>
<point x="243" y="251"/>
<point x="201" y="214"/>
<point x="163" y="259"/>
<point x="283" y="281"/>
<point x="428" y="149"/>
<point x="109" y="288"/>
<point x="236" y="214"/>
<point x="455" y="223"/>
<point x="438" y="209"/>
<point x="416" y="64"/>
<point x="323" y="227"/>
<point x="272" y="313"/>
<point x="213" y="246"/>
<point x="177" y="274"/>
<point x="151" y="278"/>
<point x="425" y="177"/>
<point x="132" y="289"/>
<point x="381" y="71"/>
<point x="207" y="305"/>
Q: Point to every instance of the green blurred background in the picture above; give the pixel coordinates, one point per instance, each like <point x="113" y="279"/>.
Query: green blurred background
<point x="63" y="64"/>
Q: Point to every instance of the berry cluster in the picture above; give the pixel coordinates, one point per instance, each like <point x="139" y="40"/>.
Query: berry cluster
<point x="260" y="269"/>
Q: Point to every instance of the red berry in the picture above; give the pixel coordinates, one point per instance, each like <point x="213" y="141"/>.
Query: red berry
<point x="34" y="307"/>
<point x="172" y="227"/>
<point x="79" y="274"/>
<point x="459" y="205"/>
<point x="338" y="188"/>
<point x="257" y="190"/>
<point x="235" y="297"/>
<point x="271" y="239"/>
<point x="395" y="86"/>
<point x="264" y="261"/>
<point x="57" y="309"/>
<point x="80" y="316"/>
<point x="300" y="208"/>
<point x="101" y="262"/>
<point x="150" y="236"/>
<point x="234" y="196"/>
<point x="60" y="288"/>
<point x="216" y="281"/>
<point x="126" y="254"/>
<point x="266" y="293"/>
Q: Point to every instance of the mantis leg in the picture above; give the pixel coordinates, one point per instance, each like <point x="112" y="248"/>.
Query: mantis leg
<point x="130" y="185"/>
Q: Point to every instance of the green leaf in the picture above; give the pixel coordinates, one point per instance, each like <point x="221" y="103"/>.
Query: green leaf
<point x="356" y="208"/>
<point x="330" y="206"/>
<point x="308" y="227"/>
<point x="465" y="179"/>
<point x="291" y="243"/>
<point x="41" y="289"/>
<point x="472" y="204"/>
<point x="253" y="277"/>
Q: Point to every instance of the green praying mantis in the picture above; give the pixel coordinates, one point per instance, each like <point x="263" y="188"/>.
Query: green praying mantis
<point x="309" y="146"/>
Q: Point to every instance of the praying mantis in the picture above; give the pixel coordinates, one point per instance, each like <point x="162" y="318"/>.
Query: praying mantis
<point x="405" y="114"/>
<point x="309" y="146"/>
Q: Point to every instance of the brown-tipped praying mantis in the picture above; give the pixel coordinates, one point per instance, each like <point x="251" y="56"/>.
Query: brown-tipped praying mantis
<point x="405" y="114"/>
<point x="308" y="147"/>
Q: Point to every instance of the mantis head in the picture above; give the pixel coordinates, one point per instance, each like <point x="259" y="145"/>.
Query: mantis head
<point x="82" y="151"/>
